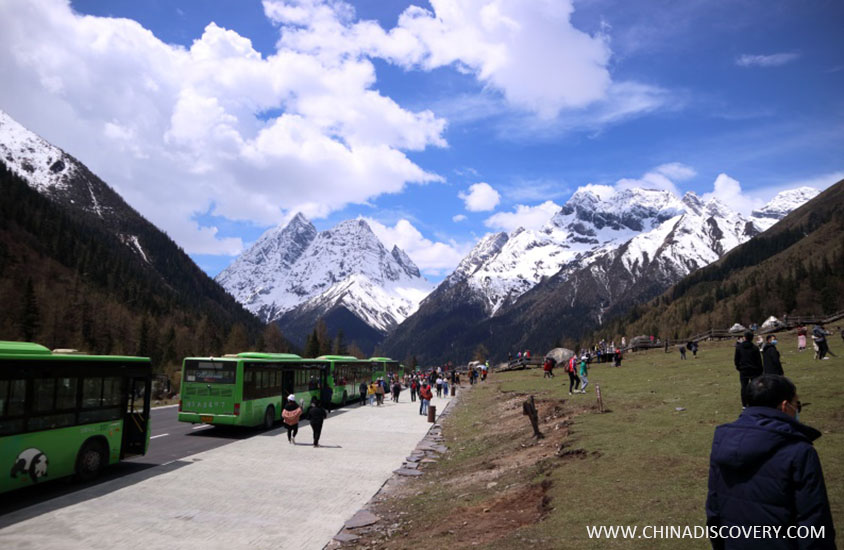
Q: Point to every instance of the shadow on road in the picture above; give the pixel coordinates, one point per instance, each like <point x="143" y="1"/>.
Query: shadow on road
<point x="29" y="502"/>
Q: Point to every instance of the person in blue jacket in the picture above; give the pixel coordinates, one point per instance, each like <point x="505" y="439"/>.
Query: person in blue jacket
<point x="764" y="471"/>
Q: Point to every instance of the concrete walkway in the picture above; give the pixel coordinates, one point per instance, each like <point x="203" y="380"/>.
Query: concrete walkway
<point x="257" y="493"/>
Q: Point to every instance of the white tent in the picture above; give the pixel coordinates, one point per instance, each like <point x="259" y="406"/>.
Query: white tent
<point x="771" y="322"/>
<point x="737" y="328"/>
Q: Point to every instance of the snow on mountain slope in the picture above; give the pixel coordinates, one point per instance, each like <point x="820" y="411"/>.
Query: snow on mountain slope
<point x="503" y="267"/>
<point x="66" y="181"/>
<point x="44" y="166"/>
<point x="295" y="267"/>
<point x="780" y="206"/>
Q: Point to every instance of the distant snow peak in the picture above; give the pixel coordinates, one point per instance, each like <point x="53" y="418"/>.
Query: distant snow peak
<point x="296" y="267"/>
<point x="786" y="201"/>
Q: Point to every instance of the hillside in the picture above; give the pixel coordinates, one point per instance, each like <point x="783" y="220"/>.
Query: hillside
<point x="795" y="268"/>
<point x="68" y="279"/>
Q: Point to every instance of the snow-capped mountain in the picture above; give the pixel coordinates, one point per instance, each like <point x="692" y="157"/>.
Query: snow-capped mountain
<point x="780" y="206"/>
<point x="603" y="251"/>
<point x="63" y="179"/>
<point x="503" y="267"/>
<point x="294" y="267"/>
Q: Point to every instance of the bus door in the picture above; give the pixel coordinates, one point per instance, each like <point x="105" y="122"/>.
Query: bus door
<point x="136" y="420"/>
<point x="288" y="383"/>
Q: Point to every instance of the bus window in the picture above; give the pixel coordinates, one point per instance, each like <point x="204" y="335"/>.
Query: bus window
<point x="12" y="393"/>
<point x="112" y="391"/>
<point x="44" y="409"/>
<point x="101" y="400"/>
<point x="66" y="394"/>
<point x="42" y="394"/>
<point x="210" y="372"/>
<point x="92" y="393"/>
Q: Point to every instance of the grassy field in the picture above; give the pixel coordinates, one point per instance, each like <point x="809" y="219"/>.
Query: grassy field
<point x="645" y="462"/>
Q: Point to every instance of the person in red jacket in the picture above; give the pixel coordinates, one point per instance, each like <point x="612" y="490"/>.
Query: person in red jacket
<point x="425" y="396"/>
<point x="290" y="415"/>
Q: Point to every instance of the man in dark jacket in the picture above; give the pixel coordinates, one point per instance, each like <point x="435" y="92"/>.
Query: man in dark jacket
<point x="748" y="362"/>
<point x="771" y="356"/>
<point x="764" y="471"/>
<point x="362" y="389"/>
<point x="317" y="415"/>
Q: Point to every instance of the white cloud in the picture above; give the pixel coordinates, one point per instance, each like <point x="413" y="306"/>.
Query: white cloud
<point x="458" y="218"/>
<point x="174" y="126"/>
<point x="481" y="197"/>
<point x="529" y="217"/>
<point x="430" y="256"/>
<point x="772" y="60"/>
<point x="677" y="171"/>
<point x="650" y="180"/>
<point x="532" y="190"/>
<point x="528" y="51"/>
<point x="729" y="191"/>
<point x="820" y="181"/>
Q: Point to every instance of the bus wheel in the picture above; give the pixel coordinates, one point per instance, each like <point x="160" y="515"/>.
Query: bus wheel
<point x="269" y="418"/>
<point x="90" y="461"/>
<point x="345" y="398"/>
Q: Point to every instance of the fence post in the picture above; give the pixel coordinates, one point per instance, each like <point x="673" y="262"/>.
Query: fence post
<point x="600" y="399"/>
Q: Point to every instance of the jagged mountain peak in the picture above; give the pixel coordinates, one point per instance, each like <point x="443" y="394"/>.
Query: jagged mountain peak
<point x="299" y="273"/>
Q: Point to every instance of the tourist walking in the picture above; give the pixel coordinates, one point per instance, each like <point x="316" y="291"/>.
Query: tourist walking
<point x="764" y="470"/>
<point x="290" y="414"/>
<point x="414" y="385"/>
<point x="748" y="362"/>
<point x="379" y="393"/>
<point x="548" y="367"/>
<point x="439" y="386"/>
<point x="445" y="386"/>
<point x="682" y="352"/>
<point x="771" y="356"/>
<point x="618" y="357"/>
<point x="801" y="338"/>
<point x="693" y="347"/>
<point x="363" y="391"/>
<point x="396" y="390"/>
<point x="571" y="370"/>
<point x="317" y="414"/>
<point x="371" y="392"/>
<point x="819" y="336"/>
<point x="425" y="396"/>
<point x="584" y="371"/>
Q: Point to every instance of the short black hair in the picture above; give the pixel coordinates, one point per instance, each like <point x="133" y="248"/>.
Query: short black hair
<point x="748" y="335"/>
<point x="768" y="337"/>
<point x="769" y="390"/>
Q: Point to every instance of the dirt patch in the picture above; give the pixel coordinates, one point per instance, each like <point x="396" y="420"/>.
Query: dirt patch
<point x="486" y="486"/>
<point x="489" y="521"/>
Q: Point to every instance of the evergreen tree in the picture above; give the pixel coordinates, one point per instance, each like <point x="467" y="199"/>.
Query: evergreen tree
<point x="237" y="340"/>
<point x="338" y="347"/>
<point x="30" y="314"/>
<point x="312" y="345"/>
<point x="481" y="353"/>
<point x="274" y="341"/>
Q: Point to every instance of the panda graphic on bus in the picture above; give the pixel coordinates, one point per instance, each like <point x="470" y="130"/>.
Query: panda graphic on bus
<point x="32" y="462"/>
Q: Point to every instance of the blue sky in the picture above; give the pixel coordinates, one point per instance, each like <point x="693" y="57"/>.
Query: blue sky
<point x="434" y="122"/>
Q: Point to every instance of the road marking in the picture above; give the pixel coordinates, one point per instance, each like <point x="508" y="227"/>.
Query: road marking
<point x="201" y="426"/>
<point x="159" y="435"/>
<point x="165" y="406"/>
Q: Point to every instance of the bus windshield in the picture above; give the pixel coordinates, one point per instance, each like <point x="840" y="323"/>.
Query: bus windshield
<point x="210" y="372"/>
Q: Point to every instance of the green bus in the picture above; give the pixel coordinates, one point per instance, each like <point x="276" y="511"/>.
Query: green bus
<point x="65" y="413"/>
<point x="384" y="367"/>
<point x="249" y="388"/>
<point x="344" y="376"/>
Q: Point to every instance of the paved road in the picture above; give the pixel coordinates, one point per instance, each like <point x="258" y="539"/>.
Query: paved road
<point x="260" y="492"/>
<point x="170" y="440"/>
